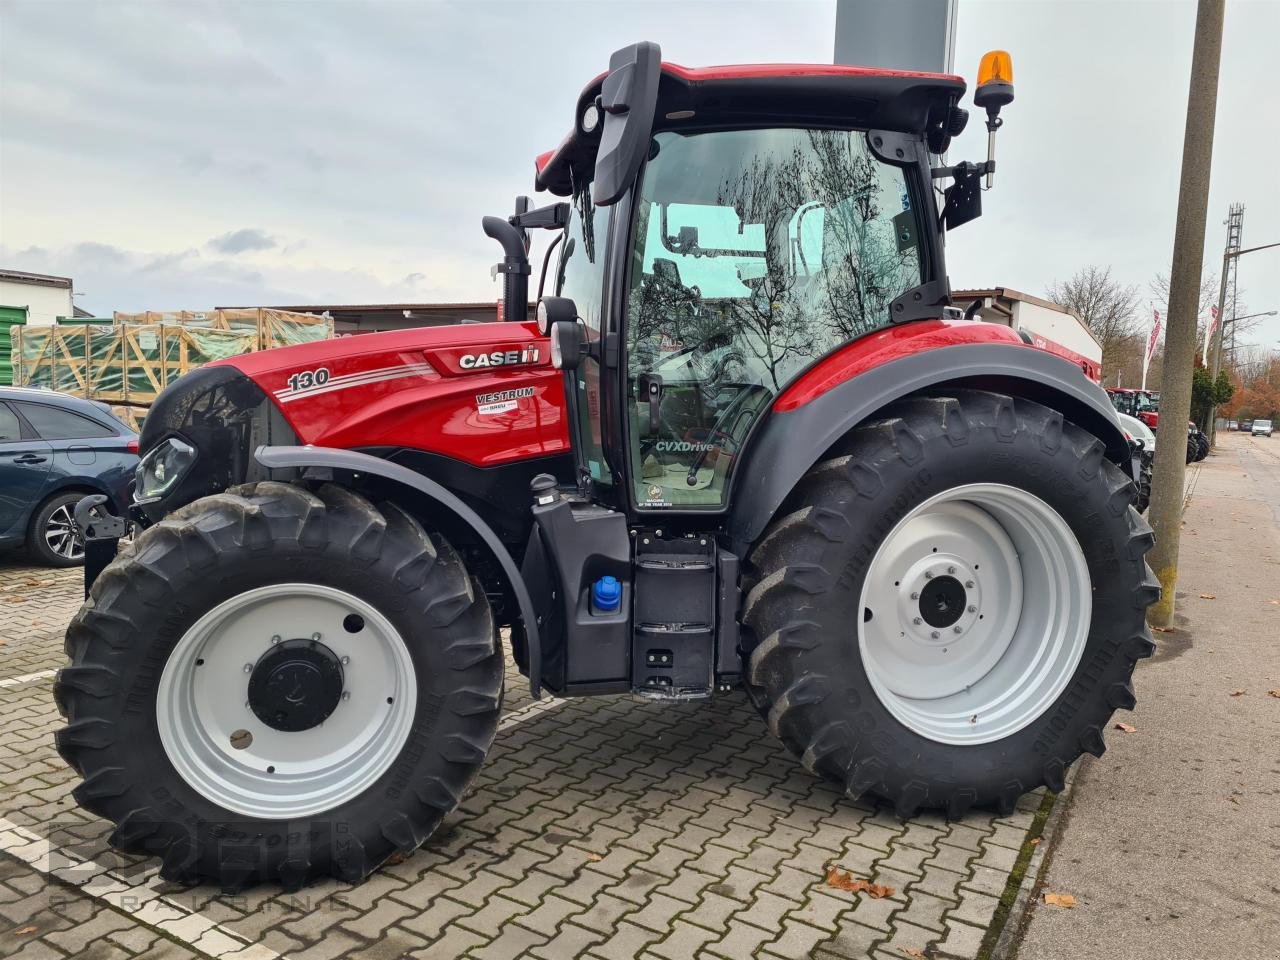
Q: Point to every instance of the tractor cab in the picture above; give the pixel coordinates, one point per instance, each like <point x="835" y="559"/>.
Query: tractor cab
<point x="724" y="230"/>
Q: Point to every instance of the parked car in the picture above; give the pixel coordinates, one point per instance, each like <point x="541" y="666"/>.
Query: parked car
<point x="1143" y="440"/>
<point x="1246" y="426"/>
<point x="56" y="449"/>
<point x="1139" y="431"/>
<point x="1261" y="428"/>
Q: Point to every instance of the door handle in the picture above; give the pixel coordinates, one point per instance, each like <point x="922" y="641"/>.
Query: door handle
<point x="649" y="387"/>
<point x="29" y="458"/>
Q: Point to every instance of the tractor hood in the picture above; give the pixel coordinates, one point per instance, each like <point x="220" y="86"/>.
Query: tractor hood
<point x="482" y="394"/>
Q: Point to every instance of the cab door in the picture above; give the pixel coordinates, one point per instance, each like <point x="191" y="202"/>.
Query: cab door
<point x="581" y="277"/>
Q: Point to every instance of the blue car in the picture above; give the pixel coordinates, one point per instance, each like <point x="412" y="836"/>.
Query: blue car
<point x="56" y="449"/>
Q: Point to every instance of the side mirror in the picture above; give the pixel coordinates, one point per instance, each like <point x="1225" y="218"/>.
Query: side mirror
<point x="566" y="344"/>
<point x="552" y="310"/>
<point x="628" y="97"/>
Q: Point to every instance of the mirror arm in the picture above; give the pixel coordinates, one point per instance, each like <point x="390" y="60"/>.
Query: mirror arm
<point x="964" y="169"/>
<point x="555" y="216"/>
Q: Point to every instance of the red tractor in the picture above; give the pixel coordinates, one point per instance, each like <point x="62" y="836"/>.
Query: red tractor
<point x="746" y="443"/>
<point x="1143" y="404"/>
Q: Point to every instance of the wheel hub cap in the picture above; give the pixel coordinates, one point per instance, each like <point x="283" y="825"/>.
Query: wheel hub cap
<point x="942" y="601"/>
<point x="296" y="685"/>
<point x="284" y="728"/>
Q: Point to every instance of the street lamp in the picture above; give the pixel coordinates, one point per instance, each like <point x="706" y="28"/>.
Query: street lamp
<point x="1217" y="336"/>
<point x="1250" y="316"/>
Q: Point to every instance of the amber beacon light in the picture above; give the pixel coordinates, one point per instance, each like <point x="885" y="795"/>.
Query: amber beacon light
<point x="995" y="89"/>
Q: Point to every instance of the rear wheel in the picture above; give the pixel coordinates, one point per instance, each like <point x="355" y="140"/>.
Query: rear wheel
<point x="949" y="614"/>
<point x="276" y="684"/>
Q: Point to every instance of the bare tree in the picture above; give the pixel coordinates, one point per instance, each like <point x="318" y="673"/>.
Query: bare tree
<point x="1110" y="309"/>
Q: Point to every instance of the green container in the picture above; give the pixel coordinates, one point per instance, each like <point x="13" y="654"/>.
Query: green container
<point x="10" y="317"/>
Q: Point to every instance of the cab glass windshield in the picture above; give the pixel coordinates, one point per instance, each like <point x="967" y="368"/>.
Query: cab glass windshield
<point x="757" y="252"/>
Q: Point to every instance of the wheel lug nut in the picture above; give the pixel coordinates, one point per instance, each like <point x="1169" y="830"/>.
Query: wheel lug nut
<point x="951" y="569"/>
<point x="275" y="639"/>
<point x="935" y="634"/>
<point x="915" y="596"/>
<point x="346" y="694"/>
<point x="345" y="661"/>
<point x="248" y="668"/>
<point x="968" y="584"/>
<point x="958" y="629"/>
<point x="917" y="621"/>
<point x="315" y="636"/>
<point x="928" y="574"/>
<point x="972" y="608"/>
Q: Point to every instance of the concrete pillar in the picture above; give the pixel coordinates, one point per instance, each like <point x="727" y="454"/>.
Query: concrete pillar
<point x="898" y="34"/>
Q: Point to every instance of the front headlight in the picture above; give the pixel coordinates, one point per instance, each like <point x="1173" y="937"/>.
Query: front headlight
<point x="161" y="468"/>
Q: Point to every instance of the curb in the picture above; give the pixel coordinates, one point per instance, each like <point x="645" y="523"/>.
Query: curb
<point x="1006" y="946"/>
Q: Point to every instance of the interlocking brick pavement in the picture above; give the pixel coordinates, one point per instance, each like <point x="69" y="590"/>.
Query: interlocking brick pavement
<point x="598" y="828"/>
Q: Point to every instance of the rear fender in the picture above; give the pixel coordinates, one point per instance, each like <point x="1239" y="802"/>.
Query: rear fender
<point x="302" y="458"/>
<point x="797" y="434"/>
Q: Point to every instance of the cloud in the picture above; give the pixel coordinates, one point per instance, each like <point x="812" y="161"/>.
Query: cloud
<point x="109" y="277"/>
<point x="378" y="134"/>
<point x="243" y="241"/>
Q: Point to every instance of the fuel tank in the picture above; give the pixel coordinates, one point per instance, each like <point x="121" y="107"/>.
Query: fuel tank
<point x="483" y="393"/>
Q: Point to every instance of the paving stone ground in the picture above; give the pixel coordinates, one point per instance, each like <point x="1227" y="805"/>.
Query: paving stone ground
<point x="602" y="828"/>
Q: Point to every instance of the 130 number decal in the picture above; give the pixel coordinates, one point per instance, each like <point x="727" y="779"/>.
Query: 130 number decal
<point x="309" y="378"/>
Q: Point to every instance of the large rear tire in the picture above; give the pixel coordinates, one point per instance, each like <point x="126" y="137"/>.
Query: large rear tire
<point x="275" y="684"/>
<point x="949" y="614"/>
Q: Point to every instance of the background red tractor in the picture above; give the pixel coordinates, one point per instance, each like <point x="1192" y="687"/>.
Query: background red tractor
<point x="1143" y="404"/>
<point x="747" y="443"/>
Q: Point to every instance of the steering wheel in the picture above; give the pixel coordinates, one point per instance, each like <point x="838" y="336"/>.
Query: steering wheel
<point x="732" y="410"/>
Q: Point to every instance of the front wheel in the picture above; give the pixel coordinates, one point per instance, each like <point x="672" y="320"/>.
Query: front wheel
<point x="950" y="613"/>
<point x="276" y="684"/>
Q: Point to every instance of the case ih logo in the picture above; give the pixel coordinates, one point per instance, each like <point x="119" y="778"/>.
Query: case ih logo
<point x="499" y="358"/>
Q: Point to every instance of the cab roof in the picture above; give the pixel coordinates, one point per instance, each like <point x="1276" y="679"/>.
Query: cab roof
<point x="778" y="94"/>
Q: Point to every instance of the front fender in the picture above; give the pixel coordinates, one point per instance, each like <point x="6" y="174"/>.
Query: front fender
<point x="796" y="436"/>
<point x="300" y="458"/>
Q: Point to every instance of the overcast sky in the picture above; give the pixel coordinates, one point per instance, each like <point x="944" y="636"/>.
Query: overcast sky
<point x="186" y="155"/>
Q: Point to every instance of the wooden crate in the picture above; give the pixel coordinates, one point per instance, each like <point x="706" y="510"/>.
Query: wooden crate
<point x="131" y="361"/>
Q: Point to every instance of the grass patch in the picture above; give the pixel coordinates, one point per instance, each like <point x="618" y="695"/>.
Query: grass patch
<point x="1012" y="885"/>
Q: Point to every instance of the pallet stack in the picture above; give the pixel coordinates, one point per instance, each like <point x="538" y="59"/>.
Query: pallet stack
<point x="11" y="318"/>
<point x="129" y="360"/>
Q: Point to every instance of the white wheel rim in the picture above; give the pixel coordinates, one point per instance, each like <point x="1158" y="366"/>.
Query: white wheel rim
<point x="202" y="701"/>
<point x="989" y="666"/>
<point x="61" y="535"/>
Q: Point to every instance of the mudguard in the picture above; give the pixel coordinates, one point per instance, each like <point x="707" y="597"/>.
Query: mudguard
<point x="804" y="424"/>
<point x="333" y="459"/>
